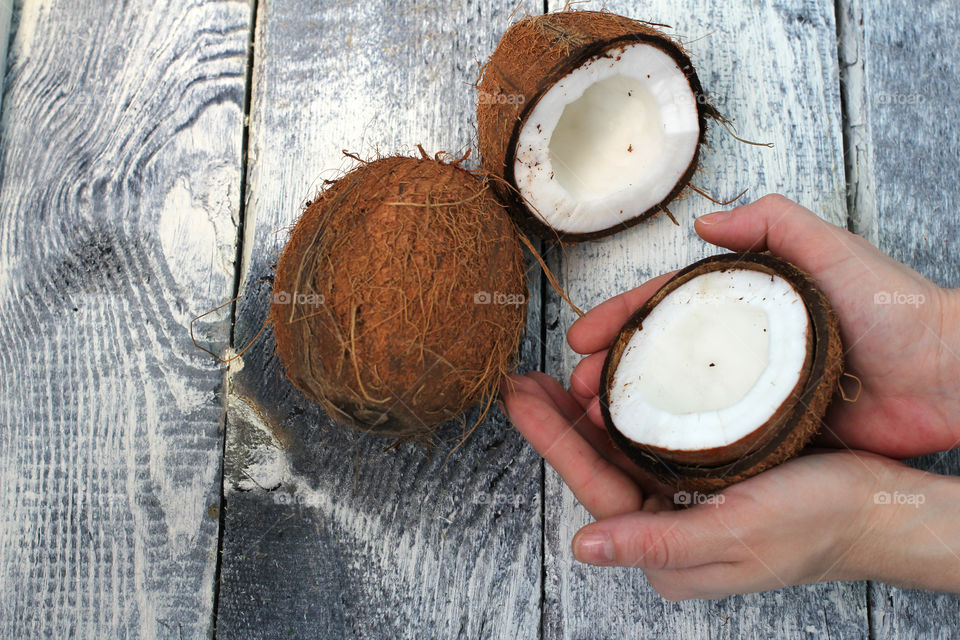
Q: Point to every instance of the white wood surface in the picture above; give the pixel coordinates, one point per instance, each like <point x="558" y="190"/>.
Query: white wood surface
<point x="120" y="167"/>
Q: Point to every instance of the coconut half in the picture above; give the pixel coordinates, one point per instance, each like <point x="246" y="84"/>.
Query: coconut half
<point x="592" y="121"/>
<point x="726" y="371"/>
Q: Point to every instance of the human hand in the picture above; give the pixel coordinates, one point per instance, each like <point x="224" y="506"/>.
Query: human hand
<point x="776" y="528"/>
<point x="772" y="530"/>
<point x="901" y="331"/>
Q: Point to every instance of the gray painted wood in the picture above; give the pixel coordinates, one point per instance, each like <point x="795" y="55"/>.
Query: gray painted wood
<point x="773" y="68"/>
<point x="120" y="165"/>
<point x="6" y="15"/>
<point x="904" y="61"/>
<point x="327" y="534"/>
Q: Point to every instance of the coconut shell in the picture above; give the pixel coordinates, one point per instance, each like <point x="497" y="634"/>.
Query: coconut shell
<point x="533" y="55"/>
<point x="399" y="300"/>
<point x="791" y="427"/>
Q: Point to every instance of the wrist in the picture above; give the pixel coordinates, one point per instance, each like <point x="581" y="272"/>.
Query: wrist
<point x="915" y="533"/>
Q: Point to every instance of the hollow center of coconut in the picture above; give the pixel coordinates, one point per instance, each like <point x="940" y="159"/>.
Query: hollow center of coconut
<point x="609" y="141"/>
<point x="712" y="362"/>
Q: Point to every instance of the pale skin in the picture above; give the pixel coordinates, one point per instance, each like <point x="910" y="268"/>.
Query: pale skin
<point x="846" y="510"/>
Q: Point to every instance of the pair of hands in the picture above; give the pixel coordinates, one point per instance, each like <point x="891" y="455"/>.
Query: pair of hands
<point x="844" y="511"/>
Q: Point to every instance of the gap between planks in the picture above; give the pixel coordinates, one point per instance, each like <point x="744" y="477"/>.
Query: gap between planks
<point x="239" y="272"/>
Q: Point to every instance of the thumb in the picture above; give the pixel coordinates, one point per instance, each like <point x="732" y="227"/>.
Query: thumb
<point x="786" y="229"/>
<point x="663" y="540"/>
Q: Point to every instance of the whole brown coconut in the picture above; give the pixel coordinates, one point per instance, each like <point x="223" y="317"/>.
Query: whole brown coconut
<point x="710" y="353"/>
<point x="399" y="300"/>
<point x="539" y="56"/>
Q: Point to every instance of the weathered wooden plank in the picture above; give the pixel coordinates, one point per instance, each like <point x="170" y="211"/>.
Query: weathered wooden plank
<point x="773" y="68"/>
<point x="6" y="15"/>
<point x="120" y="171"/>
<point x="326" y="534"/>
<point x="900" y="89"/>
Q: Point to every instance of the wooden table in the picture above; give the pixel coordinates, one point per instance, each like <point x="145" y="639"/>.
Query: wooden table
<point x="153" y="156"/>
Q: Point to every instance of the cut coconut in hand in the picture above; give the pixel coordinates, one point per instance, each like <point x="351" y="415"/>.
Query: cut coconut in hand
<point x="400" y="298"/>
<point x="589" y="121"/>
<point x="725" y="372"/>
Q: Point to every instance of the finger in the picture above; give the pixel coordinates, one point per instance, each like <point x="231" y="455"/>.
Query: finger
<point x="664" y="540"/>
<point x="601" y="487"/>
<point x="570" y="408"/>
<point x="547" y="388"/>
<point x="706" y="582"/>
<point x="576" y="415"/>
<point x="786" y="229"/>
<point x="594" y="431"/>
<point x="596" y="437"/>
<point x="583" y="401"/>
<point x="585" y="379"/>
<point x="599" y="326"/>
<point x="594" y="414"/>
<point x="656" y="502"/>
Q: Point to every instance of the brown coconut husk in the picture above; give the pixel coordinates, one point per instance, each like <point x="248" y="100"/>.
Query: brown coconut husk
<point x="401" y="250"/>
<point x="533" y="55"/>
<point x="791" y="427"/>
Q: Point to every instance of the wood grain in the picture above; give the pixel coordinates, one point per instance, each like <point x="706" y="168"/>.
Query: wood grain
<point x="773" y="68"/>
<point x="906" y="141"/>
<point x="120" y="166"/>
<point x="326" y="533"/>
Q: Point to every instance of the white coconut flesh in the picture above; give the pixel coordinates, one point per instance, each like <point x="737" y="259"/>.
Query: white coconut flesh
<point x="712" y="362"/>
<point x="609" y="141"/>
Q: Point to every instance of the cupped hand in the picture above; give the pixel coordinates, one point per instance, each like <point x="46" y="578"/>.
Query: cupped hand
<point x="901" y="332"/>
<point x="812" y="519"/>
<point x="818" y="516"/>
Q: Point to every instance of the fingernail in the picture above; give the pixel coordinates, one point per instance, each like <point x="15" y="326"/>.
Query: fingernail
<point x="595" y="548"/>
<point x="715" y="218"/>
